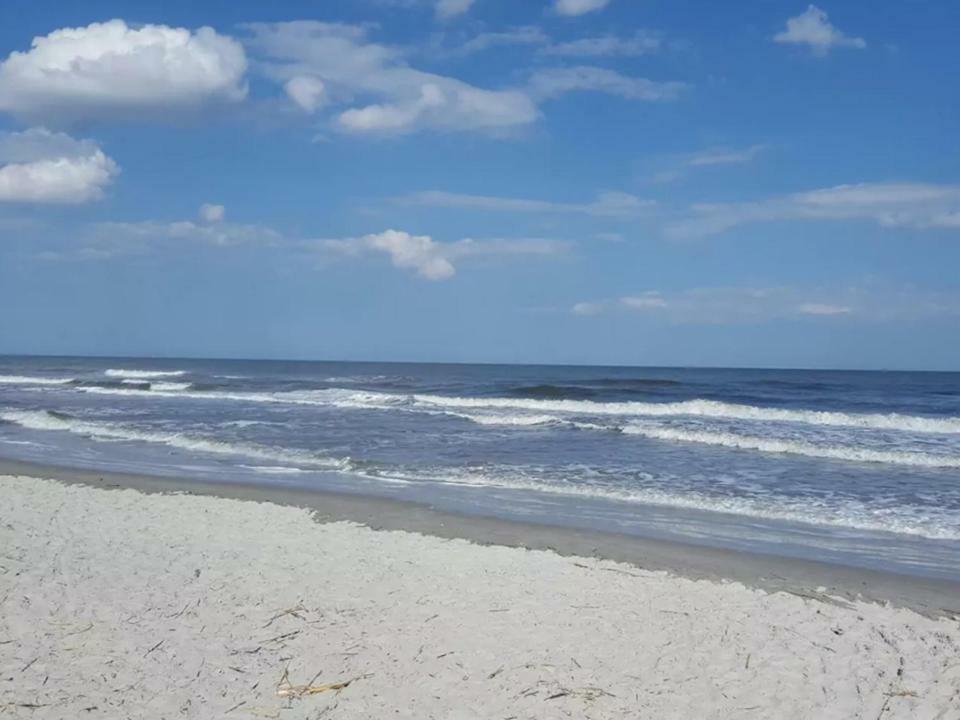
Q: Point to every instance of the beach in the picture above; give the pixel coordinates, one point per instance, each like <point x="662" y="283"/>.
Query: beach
<point x="156" y="602"/>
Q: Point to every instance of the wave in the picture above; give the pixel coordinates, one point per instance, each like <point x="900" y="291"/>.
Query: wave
<point x="808" y="511"/>
<point x="44" y="420"/>
<point x="793" y="447"/>
<point x="142" y="374"/>
<point x="521" y="420"/>
<point x="169" y="387"/>
<point x="713" y="409"/>
<point x="703" y="408"/>
<point x="25" y="380"/>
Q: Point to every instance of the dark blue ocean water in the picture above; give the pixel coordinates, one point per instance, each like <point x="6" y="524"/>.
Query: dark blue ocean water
<point x="860" y="468"/>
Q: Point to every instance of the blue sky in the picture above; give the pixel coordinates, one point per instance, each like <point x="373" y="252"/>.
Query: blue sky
<point x="561" y="181"/>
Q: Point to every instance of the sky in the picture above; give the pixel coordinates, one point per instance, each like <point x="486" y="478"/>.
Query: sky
<point x="635" y="182"/>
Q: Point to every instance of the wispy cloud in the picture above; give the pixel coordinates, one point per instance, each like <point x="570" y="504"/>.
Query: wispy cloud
<point x="747" y="305"/>
<point x="607" y="204"/>
<point x="813" y="29"/>
<point x="677" y="167"/>
<point x="522" y="35"/>
<point x="430" y="259"/>
<point x="724" y="156"/>
<point x="551" y="83"/>
<point x="914" y="205"/>
<point x="640" y="43"/>
<point x="447" y="9"/>
<point x="332" y="65"/>
<point x="573" y="8"/>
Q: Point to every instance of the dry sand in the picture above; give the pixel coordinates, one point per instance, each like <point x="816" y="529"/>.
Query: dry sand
<point x="119" y="604"/>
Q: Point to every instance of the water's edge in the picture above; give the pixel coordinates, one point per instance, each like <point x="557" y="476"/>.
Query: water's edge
<point x="807" y="578"/>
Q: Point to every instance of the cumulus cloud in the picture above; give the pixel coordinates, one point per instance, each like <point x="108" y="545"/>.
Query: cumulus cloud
<point x="920" y="206"/>
<point x="553" y="82"/>
<point x="381" y="93"/>
<point x="572" y="8"/>
<point x="813" y="29"/>
<point x="430" y="259"/>
<point x="39" y="166"/>
<point x="110" y="69"/>
<point x="606" y="204"/>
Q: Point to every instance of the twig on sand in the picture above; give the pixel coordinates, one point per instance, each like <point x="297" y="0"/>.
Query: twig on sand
<point x="294" y="611"/>
<point x="239" y="704"/>
<point x="893" y="694"/>
<point x="286" y="689"/>
<point x="153" y="648"/>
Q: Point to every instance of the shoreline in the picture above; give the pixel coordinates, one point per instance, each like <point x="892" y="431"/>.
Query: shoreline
<point x="823" y="581"/>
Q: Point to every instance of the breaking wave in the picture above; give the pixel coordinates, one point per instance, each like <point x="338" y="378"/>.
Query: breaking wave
<point x="794" y="447"/>
<point x="26" y="380"/>
<point x="44" y="420"/>
<point x="142" y="374"/>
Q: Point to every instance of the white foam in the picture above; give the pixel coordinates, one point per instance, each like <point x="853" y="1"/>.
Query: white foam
<point x="509" y="420"/>
<point x="168" y="386"/>
<point x="142" y="374"/>
<point x="40" y="420"/>
<point x="850" y="515"/>
<point x="274" y="469"/>
<point x="793" y="447"/>
<point x="702" y="408"/>
<point x="25" y="380"/>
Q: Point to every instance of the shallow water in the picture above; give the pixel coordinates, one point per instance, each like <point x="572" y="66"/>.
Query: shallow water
<point x="861" y="468"/>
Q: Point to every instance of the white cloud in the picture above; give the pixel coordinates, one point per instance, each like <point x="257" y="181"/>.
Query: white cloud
<point x="642" y="43"/>
<point x="607" y="204"/>
<point x="109" y="69"/>
<point x="919" y="206"/>
<point x="725" y="156"/>
<point x="813" y="28"/>
<point x="434" y="260"/>
<point x="572" y="8"/>
<point x="523" y="35"/>
<point x="554" y="82"/>
<point x="38" y="166"/>
<point x="651" y="300"/>
<point x="118" y="238"/>
<point x="679" y="166"/>
<point x="212" y="213"/>
<point x="446" y="9"/>
<point x="728" y="305"/>
<point x="823" y="309"/>
<point x="308" y="93"/>
<point x="870" y="302"/>
<point x="381" y="92"/>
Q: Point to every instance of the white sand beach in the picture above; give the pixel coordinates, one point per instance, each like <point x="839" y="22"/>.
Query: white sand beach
<point x="120" y="604"/>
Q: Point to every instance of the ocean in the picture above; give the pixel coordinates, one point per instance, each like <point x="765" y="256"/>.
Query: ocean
<point x="855" y="468"/>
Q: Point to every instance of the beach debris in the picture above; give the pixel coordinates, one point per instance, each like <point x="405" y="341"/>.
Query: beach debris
<point x="286" y="689"/>
<point x="293" y="612"/>
<point x="153" y="648"/>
